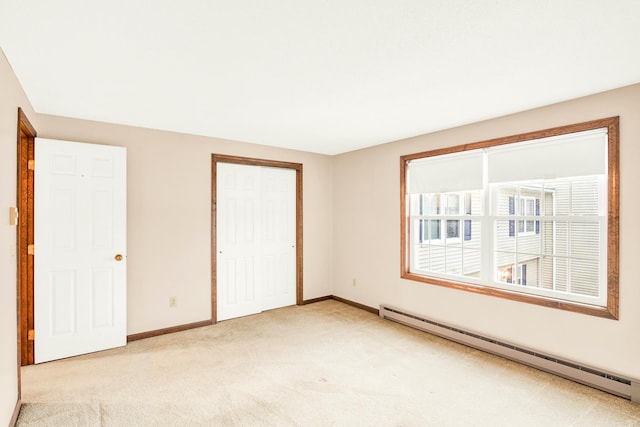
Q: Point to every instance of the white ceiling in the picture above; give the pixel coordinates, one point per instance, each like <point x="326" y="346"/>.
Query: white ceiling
<point x="326" y="76"/>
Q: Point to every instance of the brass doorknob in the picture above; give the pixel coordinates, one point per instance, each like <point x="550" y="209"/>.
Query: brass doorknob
<point x="118" y="257"/>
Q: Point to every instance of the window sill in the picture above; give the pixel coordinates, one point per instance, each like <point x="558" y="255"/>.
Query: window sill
<point x="609" y="312"/>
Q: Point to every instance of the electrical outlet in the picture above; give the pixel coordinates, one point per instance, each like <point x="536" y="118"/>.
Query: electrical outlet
<point x="173" y="301"/>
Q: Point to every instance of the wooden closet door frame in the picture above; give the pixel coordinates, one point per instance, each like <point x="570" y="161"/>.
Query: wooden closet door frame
<point x="215" y="158"/>
<point x="25" y="193"/>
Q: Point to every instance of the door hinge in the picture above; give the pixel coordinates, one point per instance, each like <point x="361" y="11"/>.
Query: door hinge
<point x="31" y="335"/>
<point x="31" y="165"/>
<point x="13" y="216"/>
<point x="31" y="250"/>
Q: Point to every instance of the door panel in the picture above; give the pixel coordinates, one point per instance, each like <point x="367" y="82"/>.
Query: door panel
<point x="278" y="245"/>
<point x="62" y="294"/>
<point x="79" y="227"/>
<point x="238" y="241"/>
<point x="102" y="298"/>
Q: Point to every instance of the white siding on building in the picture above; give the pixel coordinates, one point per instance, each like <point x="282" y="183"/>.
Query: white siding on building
<point x="554" y="233"/>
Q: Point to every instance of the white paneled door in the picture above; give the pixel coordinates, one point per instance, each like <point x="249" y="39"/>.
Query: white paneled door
<point x="80" y="248"/>
<point x="256" y="237"/>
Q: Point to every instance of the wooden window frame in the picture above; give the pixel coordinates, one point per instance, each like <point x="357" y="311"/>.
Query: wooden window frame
<point x="611" y="310"/>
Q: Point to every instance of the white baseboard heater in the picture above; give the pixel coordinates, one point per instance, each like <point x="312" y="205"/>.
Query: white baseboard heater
<point x="614" y="384"/>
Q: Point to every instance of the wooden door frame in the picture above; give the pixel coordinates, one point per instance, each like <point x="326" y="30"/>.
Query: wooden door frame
<point x="25" y="194"/>
<point x="215" y="158"/>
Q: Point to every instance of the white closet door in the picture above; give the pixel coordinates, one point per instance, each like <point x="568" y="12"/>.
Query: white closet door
<point x="256" y="225"/>
<point x="238" y="240"/>
<point x="278" y="237"/>
<point x="80" y="248"/>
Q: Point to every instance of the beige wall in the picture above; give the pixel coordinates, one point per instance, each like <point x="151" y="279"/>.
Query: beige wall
<point x="169" y="216"/>
<point x="367" y="242"/>
<point x="11" y="97"/>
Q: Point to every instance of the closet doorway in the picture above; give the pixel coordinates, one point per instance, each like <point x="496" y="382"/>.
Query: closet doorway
<point x="256" y="236"/>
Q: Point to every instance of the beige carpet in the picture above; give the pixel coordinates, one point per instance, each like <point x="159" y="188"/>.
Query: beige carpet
<point x="324" y="364"/>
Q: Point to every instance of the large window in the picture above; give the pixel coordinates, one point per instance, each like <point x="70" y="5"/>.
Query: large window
<point x="530" y="217"/>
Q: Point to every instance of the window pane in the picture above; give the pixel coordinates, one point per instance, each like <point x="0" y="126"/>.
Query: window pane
<point x="584" y="240"/>
<point x="504" y="239"/>
<point x="475" y="200"/>
<point x="504" y="271"/>
<point x="555" y="237"/>
<point x="437" y="259"/>
<point x="529" y="244"/>
<point x="584" y="277"/>
<point x="415" y="204"/>
<point x="476" y="235"/>
<point x="471" y="262"/>
<point x="467" y="229"/>
<point x="421" y="260"/>
<point x="561" y="191"/>
<point x="435" y="229"/>
<point x="584" y="196"/>
<point x="454" y="260"/>
<point x="530" y="205"/>
<point x="562" y="275"/>
<point x="424" y="230"/>
<point x="453" y="204"/>
<point x="548" y="271"/>
<point x="504" y="200"/>
<point x="453" y="228"/>
<point x="432" y="204"/>
<point x="529" y="270"/>
<point x="530" y="226"/>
